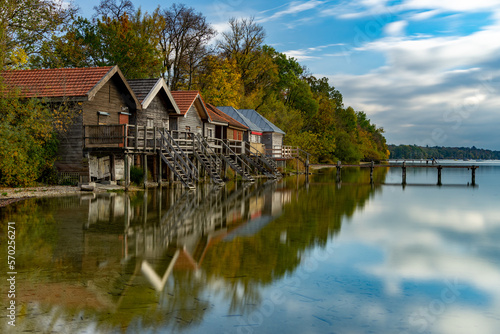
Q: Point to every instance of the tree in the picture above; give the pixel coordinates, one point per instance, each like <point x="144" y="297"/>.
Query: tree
<point x="27" y="139"/>
<point x="220" y="81"/>
<point x="26" y="24"/>
<point x="243" y="44"/>
<point x="114" y="9"/>
<point x="184" y="41"/>
<point x="126" y="42"/>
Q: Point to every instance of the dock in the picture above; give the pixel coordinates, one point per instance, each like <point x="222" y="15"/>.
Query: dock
<point x="404" y="167"/>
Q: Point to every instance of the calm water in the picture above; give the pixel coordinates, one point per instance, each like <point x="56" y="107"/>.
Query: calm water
<point x="287" y="257"/>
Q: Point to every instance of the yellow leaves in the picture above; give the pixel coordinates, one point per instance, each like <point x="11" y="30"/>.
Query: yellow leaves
<point x="19" y="58"/>
<point x="221" y="82"/>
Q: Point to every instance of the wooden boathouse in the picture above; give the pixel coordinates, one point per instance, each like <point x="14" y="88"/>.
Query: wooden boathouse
<point x="117" y="124"/>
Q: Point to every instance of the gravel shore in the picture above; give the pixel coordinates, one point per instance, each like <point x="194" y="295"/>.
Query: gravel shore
<point x="11" y="195"/>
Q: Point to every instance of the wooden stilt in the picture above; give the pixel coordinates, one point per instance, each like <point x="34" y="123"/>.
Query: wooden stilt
<point x="439" y="168"/>
<point x="145" y="168"/>
<point x="473" y="175"/>
<point x="404" y="173"/>
<point x="371" y="172"/>
<point x="127" y="171"/>
<point x="339" y="168"/>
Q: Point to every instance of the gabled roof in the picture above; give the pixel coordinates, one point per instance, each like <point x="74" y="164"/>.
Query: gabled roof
<point x="80" y="83"/>
<point x="234" y="113"/>
<point x="185" y="99"/>
<point x="260" y="121"/>
<point x="147" y="89"/>
<point x="219" y="116"/>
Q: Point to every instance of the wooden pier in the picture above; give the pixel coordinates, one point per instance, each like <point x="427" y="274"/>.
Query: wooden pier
<point x="404" y="166"/>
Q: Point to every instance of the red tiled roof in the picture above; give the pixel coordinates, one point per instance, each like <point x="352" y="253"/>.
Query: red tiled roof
<point x="60" y="82"/>
<point x="184" y="99"/>
<point x="219" y="116"/>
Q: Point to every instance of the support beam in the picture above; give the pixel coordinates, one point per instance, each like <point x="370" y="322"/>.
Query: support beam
<point x="473" y="175"/>
<point x="372" y="165"/>
<point x="145" y="169"/>
<point x="127" y="171"/>
<point x="439" y="168"/>
<point x="403" y="182"/>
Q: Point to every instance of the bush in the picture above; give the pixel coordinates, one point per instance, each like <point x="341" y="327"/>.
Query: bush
<point x="136" y="175"/>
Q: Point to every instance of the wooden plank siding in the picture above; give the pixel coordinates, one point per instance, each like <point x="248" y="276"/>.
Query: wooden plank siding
<point x="156" y="112"/>
<point x="192" y="119"/>
<point x="272" y="139"/>
<point x="108" y="99"/>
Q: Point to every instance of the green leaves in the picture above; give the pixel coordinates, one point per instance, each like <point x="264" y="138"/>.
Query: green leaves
<point x="27" y="140"/>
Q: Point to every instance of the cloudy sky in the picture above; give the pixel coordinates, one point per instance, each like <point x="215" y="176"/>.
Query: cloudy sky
<point x="426" y="71"/>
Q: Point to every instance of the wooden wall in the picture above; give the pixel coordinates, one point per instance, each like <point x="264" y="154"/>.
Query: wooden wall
<point x="108" y="99"/>
<point x="156" y="112"/>
<point x="70" y="154"/>
<point x="191" y="119"/>
<point x="272" y="139"/>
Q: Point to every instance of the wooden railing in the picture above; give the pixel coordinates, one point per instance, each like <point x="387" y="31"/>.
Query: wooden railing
<point x="143" y="138"/>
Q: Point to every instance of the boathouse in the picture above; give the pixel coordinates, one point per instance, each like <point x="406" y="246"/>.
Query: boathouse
<point x="272" y="136"/>
<point x="254" y="133"/>
<point x="98" y="97"/>
<point x="157" y="103"/>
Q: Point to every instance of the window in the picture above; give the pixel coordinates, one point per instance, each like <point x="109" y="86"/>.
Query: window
<point x="210" y="133"/>
<point x="102" y="117"/>
<point x="150" y="123"/>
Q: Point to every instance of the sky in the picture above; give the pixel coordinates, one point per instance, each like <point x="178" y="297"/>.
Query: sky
<point x="427" y="71"/>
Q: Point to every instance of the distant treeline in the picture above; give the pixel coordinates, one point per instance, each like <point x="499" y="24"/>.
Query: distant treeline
<point x="419" y="152"/>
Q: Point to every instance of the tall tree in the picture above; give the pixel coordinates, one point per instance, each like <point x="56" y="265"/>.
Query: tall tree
<point x="126" y="42"/>
<point x="114" y="9"/>
<point x="184" y="42"/>
<point x="244" y="44"/>
<point x="26" y="24"/>
<point x="220" y="82"/>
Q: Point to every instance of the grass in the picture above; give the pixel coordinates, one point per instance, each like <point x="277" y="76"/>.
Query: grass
<point x="4" y="194"/>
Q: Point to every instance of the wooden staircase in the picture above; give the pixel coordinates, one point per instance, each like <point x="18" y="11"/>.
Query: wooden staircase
<point x="208" y="159"/>
<point x="231" y="158"/>
<point x="252" y="160"/>
<point x="177" y="161"/>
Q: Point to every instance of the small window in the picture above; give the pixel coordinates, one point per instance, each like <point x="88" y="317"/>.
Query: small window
<point x="150" y="123"/>
<point x="210" y="133"/>
<point x="102" y="117"/>
<point x="188" y="128"/>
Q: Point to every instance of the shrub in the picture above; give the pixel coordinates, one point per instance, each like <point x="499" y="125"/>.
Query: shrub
<point x="136" y="175"/>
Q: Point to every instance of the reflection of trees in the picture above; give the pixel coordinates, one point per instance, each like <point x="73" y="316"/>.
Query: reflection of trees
<point x="101" y="262"/>
<point x="309" y="221"/>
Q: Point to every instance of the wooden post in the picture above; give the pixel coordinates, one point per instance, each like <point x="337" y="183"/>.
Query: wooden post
<point x="145" y="168"/>
<point x="160" y="172"/>
<point x="339" y="167"/>
<point x="307" y="164"/>
<point x="127" y="171"/>
<point x="439" y="168"/>
<point x="371" y="171"/>
<point x="473" y="175"/>
<point x="145" y="137"/>
<point x="112" y="167"/>
<point x="404" y="173"/>
<point x="136" y="136"/>
<point x="154" y="139"/>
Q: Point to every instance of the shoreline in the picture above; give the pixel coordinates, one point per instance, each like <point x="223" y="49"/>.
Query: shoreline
<point x="13" y="195"/>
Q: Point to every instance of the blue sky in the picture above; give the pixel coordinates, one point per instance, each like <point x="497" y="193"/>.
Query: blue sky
<point x="426" y="71"/>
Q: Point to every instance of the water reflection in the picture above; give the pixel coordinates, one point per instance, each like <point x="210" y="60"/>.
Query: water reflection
<point x="211" y="260"/>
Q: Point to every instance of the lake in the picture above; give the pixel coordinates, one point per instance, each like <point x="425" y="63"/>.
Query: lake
<point x="295" y="256"/>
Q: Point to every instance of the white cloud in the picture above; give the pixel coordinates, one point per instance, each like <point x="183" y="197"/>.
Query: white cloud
<point x="396" y="28"/>
<point x="294" y="7"/>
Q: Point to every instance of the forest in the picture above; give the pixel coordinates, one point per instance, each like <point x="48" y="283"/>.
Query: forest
<point x="233" y="67"/>
<point x="436" y="152"/>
